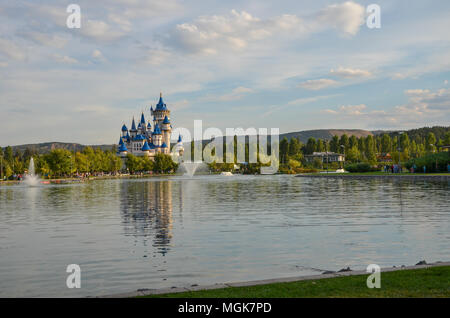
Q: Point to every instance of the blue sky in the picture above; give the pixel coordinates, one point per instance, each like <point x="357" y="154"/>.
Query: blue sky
<point x="294" y="65"/>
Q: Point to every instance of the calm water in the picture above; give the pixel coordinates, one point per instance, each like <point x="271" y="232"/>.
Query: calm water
<point x="164" y="232"/>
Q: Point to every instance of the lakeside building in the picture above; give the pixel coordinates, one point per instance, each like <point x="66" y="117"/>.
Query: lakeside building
<point x="146" y="139"/>
<point x="325" y="156"/>
<point x="384" y="157"/>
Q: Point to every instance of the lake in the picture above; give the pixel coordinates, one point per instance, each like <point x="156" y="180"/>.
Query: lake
<point x="128" y="234"/>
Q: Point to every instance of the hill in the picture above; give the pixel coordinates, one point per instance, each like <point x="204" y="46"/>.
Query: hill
<point x="303" y="136"/>
<point x="325" y="134"/>
<point x="49" y="146"/>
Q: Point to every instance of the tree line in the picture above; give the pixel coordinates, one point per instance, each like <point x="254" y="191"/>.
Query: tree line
<point x="89" y="161"/>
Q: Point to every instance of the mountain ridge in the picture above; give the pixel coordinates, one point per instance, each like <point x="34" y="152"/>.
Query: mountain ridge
<point x="303" y="136"/>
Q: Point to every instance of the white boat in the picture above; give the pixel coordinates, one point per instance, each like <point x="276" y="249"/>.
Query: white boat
<point x="226" y="173"/>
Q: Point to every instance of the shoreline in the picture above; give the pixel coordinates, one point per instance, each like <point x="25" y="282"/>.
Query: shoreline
<point x="194" y="288"/>
<point x="356" y="176"/>
<point x="418" y="176"/>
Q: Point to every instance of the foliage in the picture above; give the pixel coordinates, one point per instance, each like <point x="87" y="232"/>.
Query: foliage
<point x="437" y="162"/>
<point x="360" y="167"/>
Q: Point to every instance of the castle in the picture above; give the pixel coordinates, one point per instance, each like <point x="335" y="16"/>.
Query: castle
<point x="141" y="140"/>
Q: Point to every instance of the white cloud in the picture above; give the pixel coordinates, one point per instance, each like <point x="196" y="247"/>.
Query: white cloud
<point x="307" y="100"/>
<point x="100" y="31"/>
<point x="423" y="106"/>
<point x="46" y="39"/>
<point x="11" y="50"/>
<point x="64" y="59"/>
<point x="318" y="84"/>
<point x="97" y="55"/>
<point x="346" y="17"/>
<point x="350" y="73"/>
<point x="236" y="31"/>
<point x="235" y="94"/>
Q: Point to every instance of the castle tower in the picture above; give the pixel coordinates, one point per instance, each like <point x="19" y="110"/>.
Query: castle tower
<point x="157" y="138"/>
<point x="133" y="130"/>
<point x="161" y="117"/>
<point x="166" y="129"/>
<point x="124" y="130"/>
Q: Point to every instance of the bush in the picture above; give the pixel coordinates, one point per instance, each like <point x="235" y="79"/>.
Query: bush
<point x="360" y="167"/>
<point x="441" y="158"/>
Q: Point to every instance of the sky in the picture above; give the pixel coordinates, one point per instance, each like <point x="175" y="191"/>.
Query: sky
<point x="293" y="65"/>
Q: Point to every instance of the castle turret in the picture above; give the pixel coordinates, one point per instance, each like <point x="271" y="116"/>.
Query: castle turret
<point x="133" y="130"/>
<point x="166" y="130"/>
<point x="124" y="130"/>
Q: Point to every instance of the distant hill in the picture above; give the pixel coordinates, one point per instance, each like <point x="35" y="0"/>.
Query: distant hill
<point x="49" y="146"/>
<point x="301" y="135"/>
<point x="325" y="134"/>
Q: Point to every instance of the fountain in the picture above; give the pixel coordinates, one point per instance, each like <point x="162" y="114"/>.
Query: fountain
<point x="191" y="167"/>
<point x="31" y="179"/>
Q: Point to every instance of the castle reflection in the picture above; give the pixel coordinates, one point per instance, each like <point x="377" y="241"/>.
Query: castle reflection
<point x="146" y="209"/>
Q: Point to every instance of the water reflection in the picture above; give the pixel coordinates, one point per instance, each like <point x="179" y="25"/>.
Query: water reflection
<point x="146" y="209"/>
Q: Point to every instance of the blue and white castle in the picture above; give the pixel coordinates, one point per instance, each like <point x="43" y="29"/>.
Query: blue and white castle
<point x="142" y="141"/>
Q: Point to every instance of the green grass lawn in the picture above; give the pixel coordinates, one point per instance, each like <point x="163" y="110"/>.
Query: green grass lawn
<point x="381" y="173"/>
<point x="430" y="282"/>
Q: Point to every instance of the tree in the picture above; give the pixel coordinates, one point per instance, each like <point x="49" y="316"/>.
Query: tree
<point x="447" y="139"/>
<point x="334" y="144"/>
<point x="320" y="147"/>
<point x="310" y="146"/>
<point x="430" y="142"/>
<point x="353" y="154"/>
<point x="294" y="146"/>
<point x="9" y="154"/>
<point x="133" y="163"/>
<point x="353" y="141"/>
<point x="164" y="163"/>
<point x="59" y="161"/>
<point x="370" y="149"/>
<point x="386" y="144"/>
<point x="81" y="162"/>
<point x="344" y="141"/>
<point x="284" y="150"/>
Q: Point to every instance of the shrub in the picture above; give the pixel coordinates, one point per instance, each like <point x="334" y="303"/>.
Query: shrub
<point x="360" y="167"/>
<point x="441" y="158"/>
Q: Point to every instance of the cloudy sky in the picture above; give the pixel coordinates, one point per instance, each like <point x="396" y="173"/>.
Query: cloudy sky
<point x="294" y="65"/>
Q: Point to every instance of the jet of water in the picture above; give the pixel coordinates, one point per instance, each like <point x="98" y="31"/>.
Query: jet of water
<point x="31" y="179"/>
<point x="190" y="168"/>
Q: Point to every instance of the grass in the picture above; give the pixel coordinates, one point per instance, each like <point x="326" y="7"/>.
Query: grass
<point x="381" y="173"/>
<point x="429" y="282"/>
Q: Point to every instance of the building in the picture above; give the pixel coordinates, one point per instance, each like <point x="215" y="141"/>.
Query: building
<point x="324" y="156"/>
<point x="384" y="157"/>
<point x="148" y="138"/>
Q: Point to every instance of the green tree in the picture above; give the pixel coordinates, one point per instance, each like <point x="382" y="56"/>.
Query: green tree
<point x="334" y="144"/>
<point x="284" y="150"/>
<point x="447" y="139"/>
<point x="133" y="163"/>
<point x="81" y="162"/>
<point x="320" y="147"/>
<point x="164" y="163"/>
<point x="386" y="144"/>
<point x="59" y="161"/>
<point x="370" y="150"/>
<point x="310" y="146"/>
<point x="353" y="141"/>
<point x="344" y="141"/>
<point x="9" y="154"/>
<point x="430" y="142"/>
<point x="353" y="154"/>
<point x="294" y="146"/>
